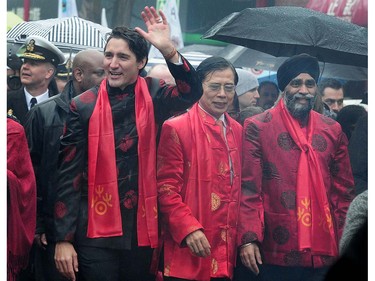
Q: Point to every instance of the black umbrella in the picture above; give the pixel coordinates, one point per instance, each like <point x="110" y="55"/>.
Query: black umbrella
<point x="244" y="57"/>
<point x="284" y="31"/>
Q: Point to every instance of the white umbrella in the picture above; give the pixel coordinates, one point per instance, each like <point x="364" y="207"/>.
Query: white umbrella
<point x="70" y="34"/>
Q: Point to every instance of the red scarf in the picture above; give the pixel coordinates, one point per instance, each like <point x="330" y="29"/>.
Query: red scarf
<point x="102" y="168"/>
<point x="21" y="200"/>
<point x="104" y="217"/>
<point x="147" y="214"/>
<point x="315" y="223"/>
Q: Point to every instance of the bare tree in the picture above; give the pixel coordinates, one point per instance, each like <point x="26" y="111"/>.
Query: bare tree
<point x="118" y="12"/>
<point x="91" y="10"/>
<point x="121" y="12"/>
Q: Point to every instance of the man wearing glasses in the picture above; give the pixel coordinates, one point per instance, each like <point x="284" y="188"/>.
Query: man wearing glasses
<point x="296" y="182"/>
<point x="198" y="181"/>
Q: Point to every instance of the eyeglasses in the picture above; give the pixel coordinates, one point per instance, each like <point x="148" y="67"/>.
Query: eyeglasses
<point x="215" y="87"/>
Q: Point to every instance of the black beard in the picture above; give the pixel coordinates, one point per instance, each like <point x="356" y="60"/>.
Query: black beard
<point x="299" y="111"/>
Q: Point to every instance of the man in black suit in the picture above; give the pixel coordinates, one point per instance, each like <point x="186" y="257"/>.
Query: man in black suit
<point x="40" y="59"/>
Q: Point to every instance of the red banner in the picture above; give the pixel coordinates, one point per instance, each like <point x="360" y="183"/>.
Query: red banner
<point x="355" y="11"/>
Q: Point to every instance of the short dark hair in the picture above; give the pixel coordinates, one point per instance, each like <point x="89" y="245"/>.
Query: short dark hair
<point x="267" y="82"/>
<point x="212" y="64"/>
<point x="249" y="112"/>
<point x="137" y="44"/>
<point x="348" y="117"/>
<point x="329" y="83"/>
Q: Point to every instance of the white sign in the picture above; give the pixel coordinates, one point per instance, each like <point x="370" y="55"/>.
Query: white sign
<point x="171" y="12"/>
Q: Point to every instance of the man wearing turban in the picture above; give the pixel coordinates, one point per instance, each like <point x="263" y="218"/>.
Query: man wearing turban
<point x="297" y="182"/>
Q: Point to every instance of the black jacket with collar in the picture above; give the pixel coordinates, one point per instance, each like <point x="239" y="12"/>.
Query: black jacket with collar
<point x="44" y="125"/>
<point x="71" y="208"/>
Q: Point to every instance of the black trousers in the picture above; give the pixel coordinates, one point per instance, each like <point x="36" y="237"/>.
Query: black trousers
<point x="41" y="265"/>
<point x="45" y="264"/>
<point x="180" y="279"/>
<point x="279" y="273"/>
<point x="103" y="264"/>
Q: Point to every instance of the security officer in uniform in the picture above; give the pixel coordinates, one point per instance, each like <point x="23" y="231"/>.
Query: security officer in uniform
<point x="40" y="60"/>
<point x="63" y="74"/>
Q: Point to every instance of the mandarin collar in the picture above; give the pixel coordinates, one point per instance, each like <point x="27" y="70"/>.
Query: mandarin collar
<point x="117" y="91"/>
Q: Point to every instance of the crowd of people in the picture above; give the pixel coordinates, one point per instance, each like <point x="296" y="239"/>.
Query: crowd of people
<point x="180" y="173"/>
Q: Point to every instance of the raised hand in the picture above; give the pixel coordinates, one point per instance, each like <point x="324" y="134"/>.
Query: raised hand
<point x="158" y="32"/>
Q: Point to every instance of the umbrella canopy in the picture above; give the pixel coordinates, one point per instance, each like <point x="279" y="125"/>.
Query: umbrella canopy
<point x="284" y="31"/>
<point x="12" y="20"/>
<point x="244" y="57"/>
<point x="71" y="34"/>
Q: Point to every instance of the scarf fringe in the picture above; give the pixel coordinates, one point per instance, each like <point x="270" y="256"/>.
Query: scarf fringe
<point x="15" y="264"/>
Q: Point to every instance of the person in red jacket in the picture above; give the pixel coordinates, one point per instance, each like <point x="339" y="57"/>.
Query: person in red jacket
<point x="198" y="181"/>
<point x="21" y="201"/>
<point x="297" y="182"/>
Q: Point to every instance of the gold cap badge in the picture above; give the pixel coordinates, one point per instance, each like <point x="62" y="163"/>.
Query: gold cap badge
<point x="30" y="46"/>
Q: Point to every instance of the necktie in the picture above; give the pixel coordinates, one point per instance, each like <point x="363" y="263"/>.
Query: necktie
<point x="223" y="134"/>
<point x="33" y="102"/>
<point x="221" y="125"/>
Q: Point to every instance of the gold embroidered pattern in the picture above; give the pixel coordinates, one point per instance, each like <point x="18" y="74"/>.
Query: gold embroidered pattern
<point x="304" y="214"/>
<point x="30" y="46"/>
<point x="215" y="202"/>
<point x="175" y="137"/>
<point x="101" y="202"/>
<point x="33" y="56"/>
<point x="224" y="235"/>
<point x="156" y="212"/>
<point x="221" y="168"/>
<point x="69" y="64"/>
<point x="160" y="163"/>
<point x="326" y="220"/>
<point x="214" y="266"/>
<point x="166" y="270"/>
<point x="165" y="188"/>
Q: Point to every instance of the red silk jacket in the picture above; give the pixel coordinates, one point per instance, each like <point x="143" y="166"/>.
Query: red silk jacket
<point x="270" y="163"/>
<point x="195" y="192"/>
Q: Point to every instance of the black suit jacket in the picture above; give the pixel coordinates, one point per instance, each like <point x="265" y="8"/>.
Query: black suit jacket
<point x="16" y="101"/>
